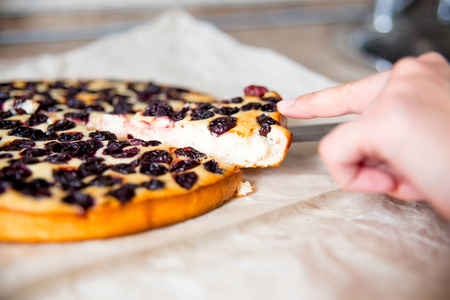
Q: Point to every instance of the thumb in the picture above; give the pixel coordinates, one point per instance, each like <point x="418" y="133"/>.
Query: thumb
<point x="356" y="163"/>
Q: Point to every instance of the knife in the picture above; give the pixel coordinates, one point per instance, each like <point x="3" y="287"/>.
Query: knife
<point x="310" y="133"/>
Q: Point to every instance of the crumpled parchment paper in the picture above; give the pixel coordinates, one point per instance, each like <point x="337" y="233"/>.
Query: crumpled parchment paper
<point x="297" y="236"/>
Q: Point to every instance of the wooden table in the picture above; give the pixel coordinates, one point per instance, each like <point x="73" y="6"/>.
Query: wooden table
<point x="321" y="47"/>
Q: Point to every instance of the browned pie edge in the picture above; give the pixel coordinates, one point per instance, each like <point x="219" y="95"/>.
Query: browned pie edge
<point x="138" y="215"/>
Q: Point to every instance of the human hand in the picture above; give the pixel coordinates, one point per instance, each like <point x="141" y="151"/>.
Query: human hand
<point x="400" y="145"/>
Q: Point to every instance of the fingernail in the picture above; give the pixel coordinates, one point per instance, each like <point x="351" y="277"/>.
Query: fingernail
<point x="286" y="103"/>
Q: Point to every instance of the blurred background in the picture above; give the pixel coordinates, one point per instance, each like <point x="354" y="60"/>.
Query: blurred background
<point x="341" y="39"/>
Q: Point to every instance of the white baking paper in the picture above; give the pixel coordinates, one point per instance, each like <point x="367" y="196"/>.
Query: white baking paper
<point x="297" y="236"/>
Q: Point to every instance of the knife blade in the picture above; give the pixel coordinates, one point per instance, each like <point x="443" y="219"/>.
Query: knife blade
<point x="310" y="133"/>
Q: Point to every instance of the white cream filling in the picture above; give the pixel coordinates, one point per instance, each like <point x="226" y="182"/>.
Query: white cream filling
<point x="29" y="106"/>
<point x="249" y="151"/>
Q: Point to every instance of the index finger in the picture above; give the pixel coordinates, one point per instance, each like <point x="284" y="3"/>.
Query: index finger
<point x="348" y="98"/>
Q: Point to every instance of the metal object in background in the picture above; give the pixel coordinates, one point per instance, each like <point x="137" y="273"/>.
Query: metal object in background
<point x="402" y="28"/>
<point x="443" y="11"/>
